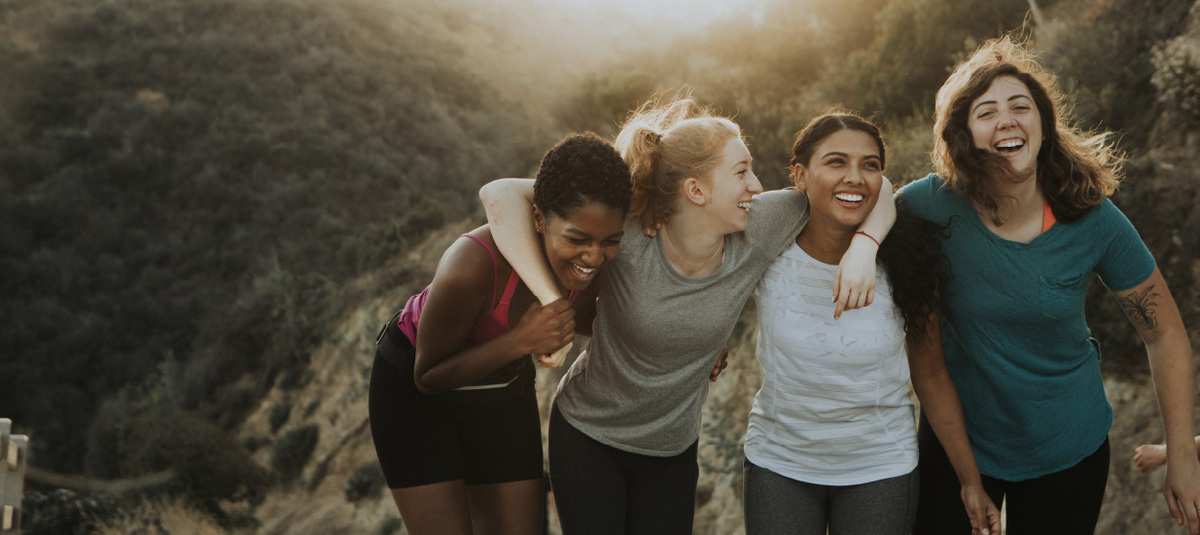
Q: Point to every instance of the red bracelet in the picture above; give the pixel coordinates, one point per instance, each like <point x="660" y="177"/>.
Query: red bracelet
<point x="869" y="237"/>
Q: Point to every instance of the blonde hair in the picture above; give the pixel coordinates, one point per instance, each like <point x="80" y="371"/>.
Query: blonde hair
<point x="664" y="144"/>
<point x="1076" y="170"/>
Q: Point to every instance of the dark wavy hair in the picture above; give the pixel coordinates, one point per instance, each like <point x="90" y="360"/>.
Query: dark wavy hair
<point x="579" y="169"/>
<point x="1076" y="169"/>
<point x="912" y="258"/>
<point x="912" y="253"/>
<point x="825" y="125"/>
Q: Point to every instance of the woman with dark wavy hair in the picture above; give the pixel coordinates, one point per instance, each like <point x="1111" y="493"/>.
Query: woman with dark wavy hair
<point x="831" y="444"/>
<point x="1025" y="199"/>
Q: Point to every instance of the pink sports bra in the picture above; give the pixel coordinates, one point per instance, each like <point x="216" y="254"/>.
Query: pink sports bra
<point x="488" y="326"/>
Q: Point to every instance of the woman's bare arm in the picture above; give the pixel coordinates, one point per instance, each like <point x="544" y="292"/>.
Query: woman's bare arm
<point x="508" y="203"/>
<point x="943" y="410"/>
<point x="509" y="206"/>
<point x="461" y="291"/>
<point x="854" y="281"/>
<point x="1153" y="312"/>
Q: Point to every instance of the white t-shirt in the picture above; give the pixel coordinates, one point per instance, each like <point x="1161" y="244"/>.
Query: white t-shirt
<point x="834" y="407"/>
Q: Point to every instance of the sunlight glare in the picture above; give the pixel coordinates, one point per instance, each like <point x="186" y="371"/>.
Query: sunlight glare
<point x="674" y="15"/>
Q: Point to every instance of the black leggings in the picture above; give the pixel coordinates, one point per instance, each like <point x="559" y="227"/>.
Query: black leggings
<point x="1066" y="502"/>
<point x="603" y="490"/>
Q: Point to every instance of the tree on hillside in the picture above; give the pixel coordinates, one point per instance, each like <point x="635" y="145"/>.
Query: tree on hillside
<point x="191" y="177"/>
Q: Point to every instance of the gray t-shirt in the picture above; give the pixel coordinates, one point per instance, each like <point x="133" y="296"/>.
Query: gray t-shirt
<point x="641" y="385"/>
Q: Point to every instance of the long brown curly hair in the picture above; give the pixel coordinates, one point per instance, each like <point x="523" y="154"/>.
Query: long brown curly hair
<point x="1075" y="169"/>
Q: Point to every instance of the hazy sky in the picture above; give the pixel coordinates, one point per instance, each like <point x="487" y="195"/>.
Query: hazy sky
<point x="666" y="12"/>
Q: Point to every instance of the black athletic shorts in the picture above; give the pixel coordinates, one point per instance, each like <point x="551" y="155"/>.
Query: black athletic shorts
<point x="481" y="437"/>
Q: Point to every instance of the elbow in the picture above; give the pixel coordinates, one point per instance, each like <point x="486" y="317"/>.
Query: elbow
<point x="427" y="385"/>
<point x="487" y="192"/>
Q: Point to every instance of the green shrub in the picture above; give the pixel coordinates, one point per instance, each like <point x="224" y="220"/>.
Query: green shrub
<point x="294" y="378"/>
<point x="279" y="415"/>
<point x="234" y="403"/>
<point x="1103" y="55"/>
<point x="252" y="443"/>
<point x="365" y="482"/>
<point x="916" y="43"/>
<point x="390" y="525"/>
<point x="423" y="217"/>
<point x="292" y="451"/>
<point x="210" y="464"/>
<point x="1177" y="76"/>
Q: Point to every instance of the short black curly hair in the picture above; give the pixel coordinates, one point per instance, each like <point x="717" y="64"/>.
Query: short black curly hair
<point x="581" y="168"/>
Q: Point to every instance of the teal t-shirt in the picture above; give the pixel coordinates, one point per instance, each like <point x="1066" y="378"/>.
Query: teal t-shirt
<point x="1017" y="342"/>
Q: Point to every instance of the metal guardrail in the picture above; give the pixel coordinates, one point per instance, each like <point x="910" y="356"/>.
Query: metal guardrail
<point x="14" y="450"/>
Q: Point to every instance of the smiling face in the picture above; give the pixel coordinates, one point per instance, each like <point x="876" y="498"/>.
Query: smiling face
<point x="842" y="178"/>
<point x="1005" y="121"/>
<point x="733" y="185"/>
<point x="578" y="245"/>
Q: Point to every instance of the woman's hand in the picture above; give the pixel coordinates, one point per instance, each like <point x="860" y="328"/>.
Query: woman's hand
<point x="555" y="359"/>
<point x="722" y="363"/>
<point x="985" y="517"/>
<point x="545" y="329"/>
<point x="1182" y="490"/>
<point x="854" y="281"/>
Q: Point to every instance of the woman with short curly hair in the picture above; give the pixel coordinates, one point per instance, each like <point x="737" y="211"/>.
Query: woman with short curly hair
<point x="453" y="410"/>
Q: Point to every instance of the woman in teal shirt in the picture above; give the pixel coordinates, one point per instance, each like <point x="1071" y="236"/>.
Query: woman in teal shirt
<point x="1025" y="199"/>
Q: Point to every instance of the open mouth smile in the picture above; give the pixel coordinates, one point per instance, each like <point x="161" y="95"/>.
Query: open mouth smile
<point x="583" y="273"/>
<point x="1009" y="146"/>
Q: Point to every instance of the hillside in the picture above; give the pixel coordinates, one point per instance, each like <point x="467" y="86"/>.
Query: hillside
<point x="207" y="207"/>
<point x="1159" y="196"/>
<point x="186" y="181"/>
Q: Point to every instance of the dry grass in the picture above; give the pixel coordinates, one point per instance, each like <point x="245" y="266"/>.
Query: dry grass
<point x="175" y="515"/>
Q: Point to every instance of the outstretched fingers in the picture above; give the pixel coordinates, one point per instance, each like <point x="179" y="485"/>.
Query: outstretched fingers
<point x="722" y="363"/>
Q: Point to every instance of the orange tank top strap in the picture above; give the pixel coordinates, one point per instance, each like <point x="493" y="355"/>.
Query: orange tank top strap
<point x="1048" y="219"/>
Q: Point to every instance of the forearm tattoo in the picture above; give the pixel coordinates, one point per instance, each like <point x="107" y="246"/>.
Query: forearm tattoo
<point x="1140" y="307"/>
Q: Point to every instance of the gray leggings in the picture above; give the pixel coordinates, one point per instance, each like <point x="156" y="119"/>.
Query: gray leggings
<point x="775" y="505"/>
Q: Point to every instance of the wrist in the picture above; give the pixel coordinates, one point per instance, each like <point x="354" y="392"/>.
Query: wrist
<point x="517" y="344"/>
<point x="972" y="480"/>
<point x="868" y="237"/>
<point x="547" y="295"/>
<point x="1178" y="456"/>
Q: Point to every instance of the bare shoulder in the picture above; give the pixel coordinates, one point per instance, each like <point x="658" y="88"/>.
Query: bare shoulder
<point x="466" y="271"/>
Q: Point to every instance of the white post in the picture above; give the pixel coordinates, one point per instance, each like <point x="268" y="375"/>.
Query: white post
<point x="13" y="452"/>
